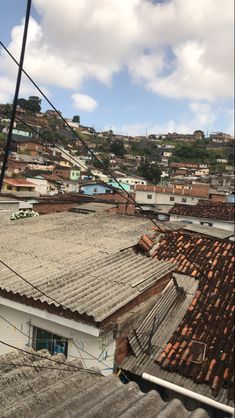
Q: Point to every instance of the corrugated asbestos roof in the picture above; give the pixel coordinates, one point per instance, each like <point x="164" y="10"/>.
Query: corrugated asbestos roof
<point x="77" y="261"/>
<point x="33" y="392"/>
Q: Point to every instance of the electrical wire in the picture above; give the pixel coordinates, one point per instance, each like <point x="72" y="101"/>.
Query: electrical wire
<point x="79" y="138"/>
<point x="36" y="354"/>
<point x="32" y="285"/>
<point x="104" y="167"/>
<point x="16" y="94"/>
<point x="71" y="157"/>
<point x="80" y="348"/>
<point x="37" y="367"/>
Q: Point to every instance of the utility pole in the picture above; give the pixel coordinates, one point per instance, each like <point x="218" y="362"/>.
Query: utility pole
<point x="17" y="88"/>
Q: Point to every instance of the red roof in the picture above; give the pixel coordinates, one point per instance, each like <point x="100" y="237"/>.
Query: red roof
<point x="206" y="209"/>
<point x="201" y="348"/>
<point x="18" y="182"/>
<point x="196" y="190"/>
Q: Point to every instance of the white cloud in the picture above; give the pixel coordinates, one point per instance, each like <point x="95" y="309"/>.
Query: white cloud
<point x="178" y="49"/>
<point x="83" y="102"/>
<point x="199" y="116"/>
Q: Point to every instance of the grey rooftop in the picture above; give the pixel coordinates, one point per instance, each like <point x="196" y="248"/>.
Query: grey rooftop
<point x="81" y="261"/>
<point x="63" y="392"/>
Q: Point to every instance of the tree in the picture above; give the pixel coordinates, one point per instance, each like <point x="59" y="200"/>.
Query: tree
<point x="117" y="148"/>
<point x="150" y="171"/>
<point x="33" y="104"/>
<point x="76" y="119"/>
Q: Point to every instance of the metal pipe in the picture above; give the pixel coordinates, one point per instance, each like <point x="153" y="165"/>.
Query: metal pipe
<point x="189" y="393"/>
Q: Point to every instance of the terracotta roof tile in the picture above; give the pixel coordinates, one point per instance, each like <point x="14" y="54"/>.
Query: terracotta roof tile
<point x="205" y="209"/>
<point x="18" y="182"/>
<point x="209" y="318"/>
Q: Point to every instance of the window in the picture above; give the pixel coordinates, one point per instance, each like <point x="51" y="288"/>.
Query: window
<point x="149" y="196"/>
<point x="52" y="342"/>
<point x="206" y="223"/>
<point x="172" y="199"/>
<point x="9" y="187"/>
<point x="95" y="189"/>
<point x="107" y="191"/>
<point x="184" y="200"/>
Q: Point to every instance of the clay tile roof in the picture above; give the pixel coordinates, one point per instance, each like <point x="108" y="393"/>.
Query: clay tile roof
<point x="18" y="182"/>
<point x="206" y="209"/>
<point x="203" y="342"/>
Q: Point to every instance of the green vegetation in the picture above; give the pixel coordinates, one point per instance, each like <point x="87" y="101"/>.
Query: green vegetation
<point x="76" y="119"/>
<point x="117" y="148"/>
<point x="151" y="172"/>
<point x="33" y="104"/>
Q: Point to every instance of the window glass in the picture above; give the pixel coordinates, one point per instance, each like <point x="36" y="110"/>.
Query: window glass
<point x="149" y="196"/>
<point x="47" y="340"/>
<point x="172" y="199"/>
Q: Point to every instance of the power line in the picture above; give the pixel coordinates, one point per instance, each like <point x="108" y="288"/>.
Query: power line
<point x="37" y="367"/>
<point x="36" y="354"/>
<point x="79" y="138"/>
<point x="35" y="287"/>
<point x="70" y="156"/>
<point x="17" y="88"/>
<point x="80" y="348"/>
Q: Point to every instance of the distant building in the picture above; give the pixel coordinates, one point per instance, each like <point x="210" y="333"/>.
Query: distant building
<point x="169" y="195"/>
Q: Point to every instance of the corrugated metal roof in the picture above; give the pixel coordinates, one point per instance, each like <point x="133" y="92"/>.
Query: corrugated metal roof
<point x="32" y="392"/>
<point x="76" y="260"/>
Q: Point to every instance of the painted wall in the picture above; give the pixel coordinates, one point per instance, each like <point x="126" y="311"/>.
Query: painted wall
<point x="228" y="226"/>
<point x="95" y="189"/>
<point x="126" y="187"/>
<point x="91" y="348"/>
<point x="41" y="185"/>
<point x="153" y="198"/>
<point x="74" y="174"/>
<point x="132" y="180"/>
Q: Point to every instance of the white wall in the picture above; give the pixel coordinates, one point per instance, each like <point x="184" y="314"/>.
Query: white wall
<point x="228" y="226"/>
<point x="132" y="180"/>
<point x="163" y="198"/>
<point x="85" y="337"/>
<point x="41" y="185"/>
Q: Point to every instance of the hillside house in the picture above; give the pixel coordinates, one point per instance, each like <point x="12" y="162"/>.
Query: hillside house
<point x="208" y="212"/>
<point x="161" y="195"/>
<point x="19" y="187"/>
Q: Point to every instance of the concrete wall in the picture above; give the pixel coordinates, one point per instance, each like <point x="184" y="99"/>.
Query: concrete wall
<point x="95" y="189"/>
<point x="41" y="185"/>
<point x="7" y="208"/>
<point x="228" y="226"/>
<point x="84" y="341"/>
<point x="163" y="198"/>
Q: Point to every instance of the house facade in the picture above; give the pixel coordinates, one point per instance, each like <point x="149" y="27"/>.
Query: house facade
<point x="206" y="213"/>
<point x="169" y="195"/>
<point x="19" y="187"/>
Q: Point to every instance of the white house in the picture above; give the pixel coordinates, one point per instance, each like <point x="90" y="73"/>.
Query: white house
<point x="86" y="279"/>
<point x="205" y="213"/>
<point x="169" y="195"/>
<point x="41" y="184"/>
<point x="133" y="181"/>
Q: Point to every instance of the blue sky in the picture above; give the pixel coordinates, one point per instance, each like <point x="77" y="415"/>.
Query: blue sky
<point x="138" y="67"/>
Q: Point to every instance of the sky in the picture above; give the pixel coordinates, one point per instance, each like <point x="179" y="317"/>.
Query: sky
<point x="135" y="66"/>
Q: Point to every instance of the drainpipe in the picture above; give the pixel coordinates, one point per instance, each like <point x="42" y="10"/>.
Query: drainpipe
<point x="189" y="393"/>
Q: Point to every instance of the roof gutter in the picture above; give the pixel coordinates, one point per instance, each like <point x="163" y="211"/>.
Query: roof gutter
<point x="189" y="393"/>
